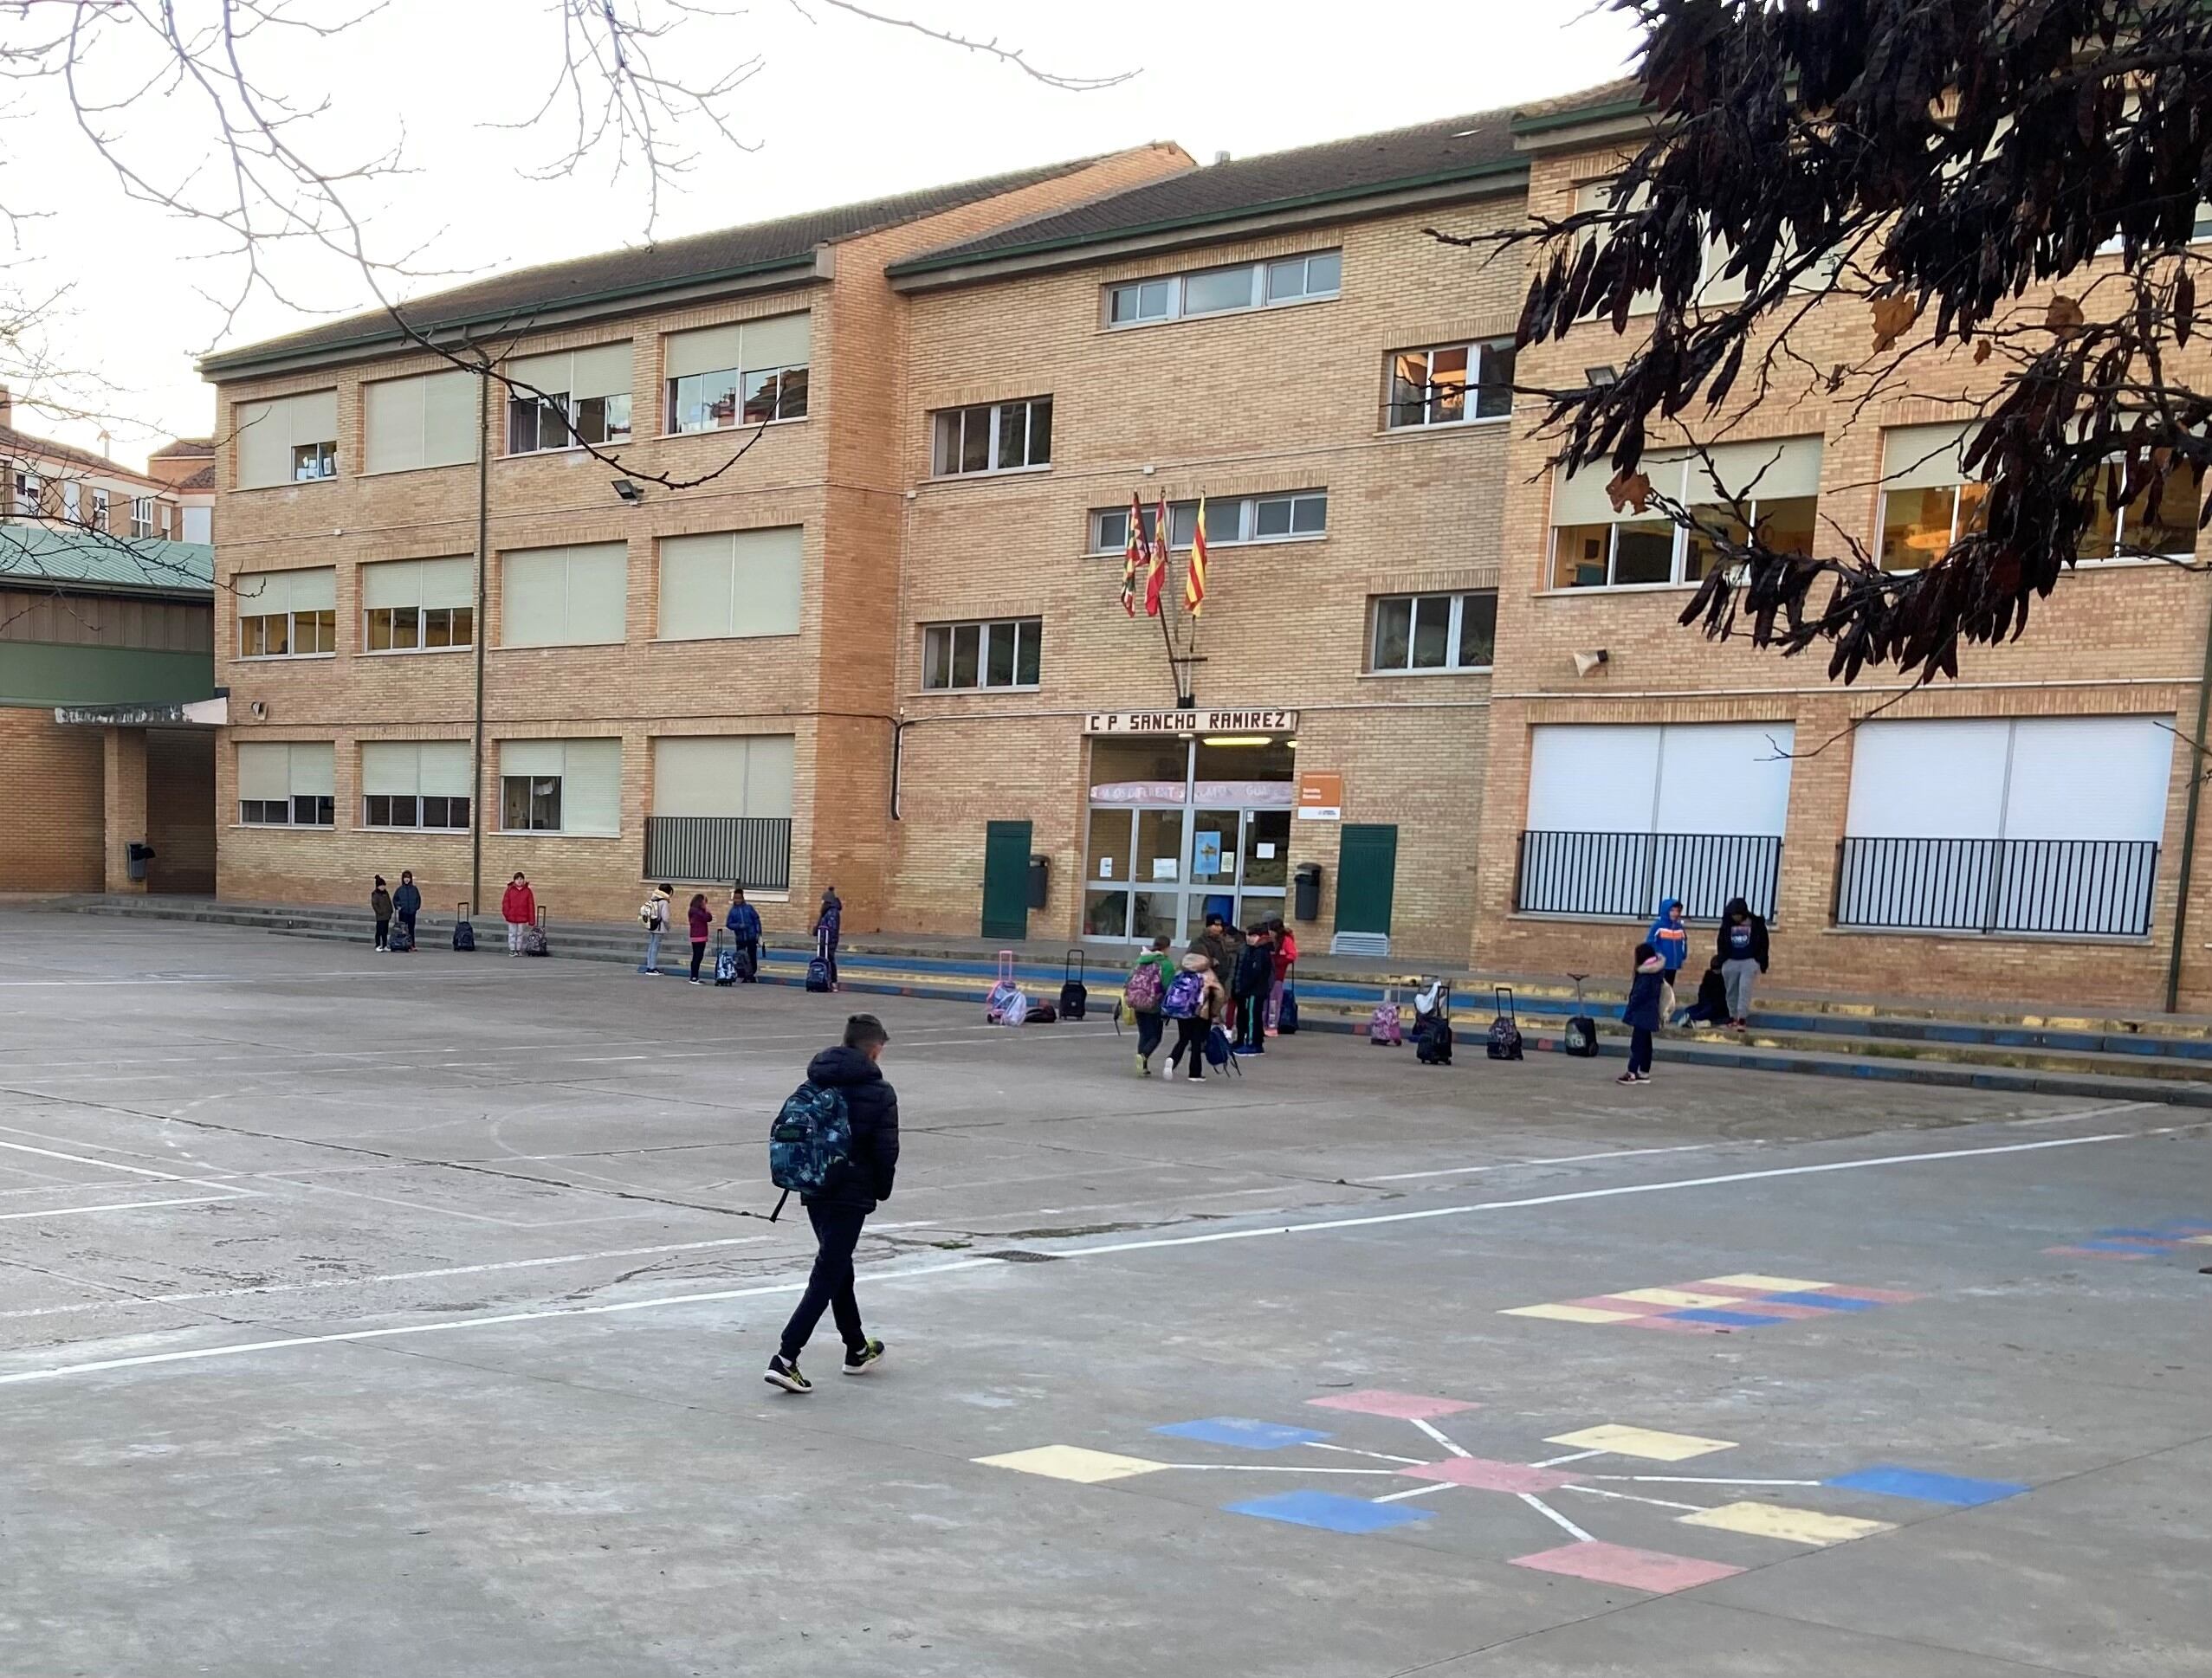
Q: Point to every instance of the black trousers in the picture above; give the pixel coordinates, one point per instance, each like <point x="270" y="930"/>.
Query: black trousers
<point x="698" y="950"/>
<point x="829" y="1285"/>
<point x="1190" y="1039"/>
<point x="1640" y="1049"/>
<point x="1149" y="1029"/>
<point x="408" y="922"/>
<point x="384" y="932"/>
<point x="1251" y="1022"/>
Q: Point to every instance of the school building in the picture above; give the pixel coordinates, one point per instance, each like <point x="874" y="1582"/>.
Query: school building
<point x="855" y="613"/>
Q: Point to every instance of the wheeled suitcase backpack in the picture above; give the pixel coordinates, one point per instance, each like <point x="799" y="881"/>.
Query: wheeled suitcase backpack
<point x="1075" y="994"/>
<point x="400" y="941"/>
<point x="817" y="969"/>
<point x="1004" y="1004"/>
<point x="1386" y="1026"/>
<point x="1433" y="1032"/>
<point x="1504" y="1043"/>
<point x="533" y="938"/>
<point x="726" y="965"/>
<point x="465" y="934"/>
<point x="1581" y="1035"/>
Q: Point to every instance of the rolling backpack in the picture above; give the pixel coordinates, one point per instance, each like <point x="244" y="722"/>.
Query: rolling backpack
<point x="533" y="938"/>
<point x="1286" y="1014"/>
<point x="399" y="941"/>
<point x="726" y="965"/>
<point x="746" y="965"/>
<point x="1581" y="1038"/>
<point x="817" y="969"/>
<point x="1142" y="995"/>
<point x="810" y="1137"/>
<point x="1075" y="994"/>
<point x="464" y="934"/>
<point x="1003" y="994"/>
<point x="1183" y="996"/>
<point x="1432" y="1036"/>
<point x="1504" y="1043"/>
<point x="1385" y="1027"/>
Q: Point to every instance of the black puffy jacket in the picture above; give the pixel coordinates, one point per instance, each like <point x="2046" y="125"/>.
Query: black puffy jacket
<point x="873" y="1108"/>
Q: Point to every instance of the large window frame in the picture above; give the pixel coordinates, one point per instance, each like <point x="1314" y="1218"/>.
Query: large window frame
<point x="766" y="390"/>
<point x="537" y="801"/>
<point x="291" y="632"/>
<point x="1399" y="630"/>
<point x="417" y="811"/>
<point x="1277" y="282"/>
<point x="299" y="808"/>
<point x="562" y="421"/>
<point x="2191" y="498"/>
<point x="1292" y="515"/>
<point x="1424" y="389"/>
<point x="997" y="654"/>
<point x="287" y="440"/>
<point x="141" y="517"/>
<point x="1012" y="436"/>
<point x="1789" y="464"/>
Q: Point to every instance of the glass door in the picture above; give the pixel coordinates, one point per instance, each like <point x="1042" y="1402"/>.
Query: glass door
<point x="1215" y="854"/>
<point x="1106" y="893"/>
<point x="1266" y="865"/>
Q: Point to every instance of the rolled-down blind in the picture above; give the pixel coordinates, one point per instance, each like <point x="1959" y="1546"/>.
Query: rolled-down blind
<point x="1582" y="499"/>
<point x="1924" y="457"/>
<point x="767" y="775"/>
<point x="448" y="582"/>
<point x="264" y="772"/>
<point x="429" y="420"/>
<point x="264" y="443"/>
<point x="564" y="596"/>
<point x="709" y="349"/>
<point x="699" y="777"/>
<point x="391" y="769"/>
<point x="782" y="340"/>
<point x="271" y="593"/>
<point x="315" y="769"/>
<point x="401" y="584"/>
<point x="1760" y="471"/>
<point x="590" y="789"/>
<point x="445" y="769"/>
<point x="529" y="757"/>
<point x="603" y="370"/>
<point x="731" y="583"/>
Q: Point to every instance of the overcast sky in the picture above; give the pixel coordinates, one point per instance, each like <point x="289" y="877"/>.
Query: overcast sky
<point x="839" y="109"/>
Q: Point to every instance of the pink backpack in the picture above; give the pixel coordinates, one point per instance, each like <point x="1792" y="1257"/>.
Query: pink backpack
<point x="1386" y="1026"/>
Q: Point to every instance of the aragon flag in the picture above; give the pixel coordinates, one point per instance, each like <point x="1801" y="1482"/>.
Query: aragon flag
<point x="1156" y="580"/>
<point x="1195" y="578"/>
<point x="1132" y="555"/>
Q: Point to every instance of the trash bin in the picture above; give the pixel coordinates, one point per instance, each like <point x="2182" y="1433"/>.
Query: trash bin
<point x="136" y="856"/>
<point x="1039" y="880"/>
<point x="1308" y="886"/>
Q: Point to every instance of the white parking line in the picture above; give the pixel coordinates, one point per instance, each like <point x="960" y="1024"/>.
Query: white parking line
<point x="104" y="1164"/>
<point x="121" y="1206"/>
<point x="1563" y="1160"/>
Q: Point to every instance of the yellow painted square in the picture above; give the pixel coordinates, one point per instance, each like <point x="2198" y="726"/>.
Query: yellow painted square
<point x="1770" y="1284"/>
<point x="1085" y="1467"/>
<point x="1642" y="1441"/>
<point x="1571" y="1313"/>
<point x="1794" y="1526"/>
<point x="1675" y="1296"/>
<point x="2198" y="1241"/>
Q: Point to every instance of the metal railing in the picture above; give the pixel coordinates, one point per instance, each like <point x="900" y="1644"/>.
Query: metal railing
<point x="1629" y="874"/>
<point x="2090" y="887"/>
<point x="753" y="851"/>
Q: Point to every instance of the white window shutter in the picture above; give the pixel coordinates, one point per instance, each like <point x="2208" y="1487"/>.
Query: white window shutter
<point x="783" y="340"/>
<point x="445" y="769"/>
<point x="709" y="349"/>
<point x="391" y="769"/>
<point x="590" y="789"/>
<point x="315" y="769"/>
<point x="264" y="772"/>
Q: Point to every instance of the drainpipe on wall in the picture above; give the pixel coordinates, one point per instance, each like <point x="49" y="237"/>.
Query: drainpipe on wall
<point x="2198" y="766"/>
<point x="483" y="560"/>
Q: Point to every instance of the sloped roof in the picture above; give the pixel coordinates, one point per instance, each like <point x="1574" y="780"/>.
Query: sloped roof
<point x="1455" y="148"/>
<point x="203" y="479"/>
<point x="35" y="553"/>
<point x="184" y="448"/>
<point x="786" y="241"/>
<point x="23" y="446"/>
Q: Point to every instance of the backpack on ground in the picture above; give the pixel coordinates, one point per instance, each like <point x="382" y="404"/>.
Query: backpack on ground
<point x="400" y="939"/>
<point x="1075" y="994"/>
<point x="1004" y="1004"/>
<point x="1387" y="1026"/>
<point x="724" y="965"/>
<point x="1286" y="1016"/>
<point x="533" y="938"/>
<point x="810" y="1137"/>
<point x="1142" y="995"/>
<point x="465" y="934"/>
<point x="747" y="965"/>
<point x="1183" y="996"/>
<point x="1581" y="1038"/>
<point x="1504" y="1043"/>
<point x="818" y="967"/>
<point x="1220" y="1051"/>
<point x="1041" y="1013"/>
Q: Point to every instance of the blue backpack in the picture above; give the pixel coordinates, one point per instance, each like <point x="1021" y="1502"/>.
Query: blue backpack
<point x="1184" y="996"/>
<point x="812" y="1136"/>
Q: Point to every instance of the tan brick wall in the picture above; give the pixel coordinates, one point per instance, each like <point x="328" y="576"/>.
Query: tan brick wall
<point x="51" y="785"/>
<point x="180" y="809"/>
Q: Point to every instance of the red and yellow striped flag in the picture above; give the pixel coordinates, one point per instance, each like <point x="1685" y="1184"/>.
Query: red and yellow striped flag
<point x="1132" y="555"/>
<point x="1195" y="578"/>
<point x="1156" y="581"/>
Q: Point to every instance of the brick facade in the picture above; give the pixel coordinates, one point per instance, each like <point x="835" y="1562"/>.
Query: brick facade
<point x="55" y="770"/>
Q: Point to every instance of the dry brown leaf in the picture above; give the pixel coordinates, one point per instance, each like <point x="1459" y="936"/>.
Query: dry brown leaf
<point x="1981" y="352"/>
<point x="1893" y="318"/>
<point x="2063" y="316"/>
<point x="1629" y="489"/>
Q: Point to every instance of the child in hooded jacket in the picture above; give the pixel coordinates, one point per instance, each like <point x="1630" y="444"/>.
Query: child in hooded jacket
<point x="1641" y="1011"/>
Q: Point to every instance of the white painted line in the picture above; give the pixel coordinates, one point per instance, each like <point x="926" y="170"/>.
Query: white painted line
<point x="1380" y="1456"/>
<point x="1270" y="1467"/>
<point x="104" y="1164"/>
<point x="121" y="1206"/>
<point x="1631" y="1497"/>
<point x="1571" y="1456"/>
<point x="291" y="1342"/>
<point x="2085" y="1112"/>
<point x="1554" y="1517"/>
<point x="1430" y="1428"/>
<point x="1697" y="1480"/>
<point x="1515" y="1164"/>
<point x="1418" y="1491"/>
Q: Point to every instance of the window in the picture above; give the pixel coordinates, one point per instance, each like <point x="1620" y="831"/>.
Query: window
<point x="723" y="776"/>
<point x="288" y="614"/>
<point x="1927" y="503"/>
<point x="418" y="605"/>
<point x="1595" y="546"/>
<point x="285" y="784"/>
<point x="1435" y="632"/>
<point x="429" y="420"/>
<point x="27" y="488"/>
<point x="289" y="439"/>
<point x="2134" y="530"/>
<point x="71" y="499"/>
<point x="586" y="399"/>
<point x="1431" y="387"/>
<point x="560" y="786"/>
<point x="568" y="596"/>
<point x="197" y="522"/>
<point x="1000" y="436"/>
<point x="162" y="522"/>
<point x="998" y="655"/>
<point x="410" y="783"/>
<point x="1300" y="515"/>
<point x="141" y="516"/>
<point x="1223" y="290"/>
<point x="730" y="584"/>
<point x="750" y="373"/>
<point x="99" y="508"/>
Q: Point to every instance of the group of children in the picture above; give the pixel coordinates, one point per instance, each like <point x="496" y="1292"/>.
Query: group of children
<point x="1724" y="990"/>
<point x="1236" y="982"/>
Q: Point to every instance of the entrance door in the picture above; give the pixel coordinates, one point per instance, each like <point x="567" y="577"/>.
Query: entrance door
<point x="1367" y="875"/>
<point x="1006" y="879"/>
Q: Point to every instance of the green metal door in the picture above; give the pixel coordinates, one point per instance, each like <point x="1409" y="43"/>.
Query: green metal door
<point x="1006" y="879"/>
<point x="1367" y="874"/>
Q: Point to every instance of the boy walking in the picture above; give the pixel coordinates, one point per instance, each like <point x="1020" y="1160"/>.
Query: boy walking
<point x="654" y="915"/>
<point x="839" y="1209"/>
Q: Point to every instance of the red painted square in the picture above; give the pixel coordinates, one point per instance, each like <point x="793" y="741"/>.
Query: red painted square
<point x="1676" y="1326"/>
<point x="1404" y="1406"/>
<point x="2093" y="1253"/>
<point x="1619" y="1563"/>
<point x="1486" y="1475"/>
<point x="1729" y="1287"/>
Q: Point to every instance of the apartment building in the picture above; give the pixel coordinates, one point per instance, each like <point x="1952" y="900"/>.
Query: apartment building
<point x="685" y="674"/>
<point x="2019" y="832"/>
<point x="58" y="486"/>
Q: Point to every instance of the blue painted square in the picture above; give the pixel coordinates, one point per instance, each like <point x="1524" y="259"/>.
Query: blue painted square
<point x="1242" y="1430"/>
<point x="2138" y="1234"/>
<point x="1822" y="1302"/>
<point x="2121" y="1246"/>
<point x="1329" y="1512"/>
<point x="1727" y="1319"/>
<point x="1954" y="1489"/>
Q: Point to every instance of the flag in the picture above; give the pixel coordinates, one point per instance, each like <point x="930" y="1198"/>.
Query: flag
<point x="1156" y="580"/>
<point x="1133" y="556"/>
<point x="1195" y="579"/>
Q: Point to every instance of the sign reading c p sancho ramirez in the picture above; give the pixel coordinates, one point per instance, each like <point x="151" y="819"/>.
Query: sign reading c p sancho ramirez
<point x="1189" y="722"/>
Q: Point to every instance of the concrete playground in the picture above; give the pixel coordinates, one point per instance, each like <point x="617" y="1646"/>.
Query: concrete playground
<point x="371" y="1315"/>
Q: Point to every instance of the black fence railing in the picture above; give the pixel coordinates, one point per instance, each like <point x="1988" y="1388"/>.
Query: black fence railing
<point x="2095" y="887"/>
<point x="1629" y="874"/>
<point x="753" y="851"/>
